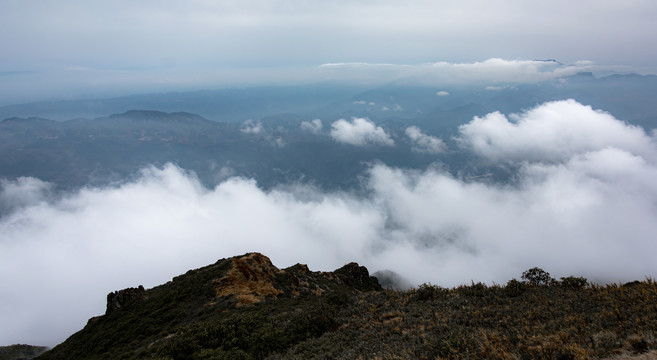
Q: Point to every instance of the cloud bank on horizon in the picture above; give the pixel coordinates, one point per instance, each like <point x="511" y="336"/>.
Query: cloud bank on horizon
<point x="583" y="206"/>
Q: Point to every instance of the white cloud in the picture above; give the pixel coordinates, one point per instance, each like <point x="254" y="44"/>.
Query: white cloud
<point x="494" y="70"/>
<point x="442" y="93"/>
<point x="551" y="132"/>
<point x="279" y="142"/>
<point x="586" y="211"/>
<point x="424" y="143"/>
<point x="252" y="127"/>
<point x="360" y="132"/>
<point x="22" y="192"/>
<point x="313" y="126"/>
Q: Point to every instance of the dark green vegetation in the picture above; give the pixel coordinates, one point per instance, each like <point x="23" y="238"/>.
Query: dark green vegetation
<point x="16" y="352"/>
<point x="245" y="308"/>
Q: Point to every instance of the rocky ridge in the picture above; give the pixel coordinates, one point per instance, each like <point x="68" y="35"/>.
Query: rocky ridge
<point x="246" y="308"/>
<point x="145" y="321"/>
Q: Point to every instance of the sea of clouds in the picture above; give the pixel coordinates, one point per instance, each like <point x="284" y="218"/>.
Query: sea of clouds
<point x="583" y="202"/>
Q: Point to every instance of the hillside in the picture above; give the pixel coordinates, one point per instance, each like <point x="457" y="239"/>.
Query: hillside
<point x="246" y="308"/>
<point x="103" y="151"/>
<point x="20" y="351"/>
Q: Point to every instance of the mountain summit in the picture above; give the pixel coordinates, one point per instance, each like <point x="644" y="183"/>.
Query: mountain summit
<point x="246" y="308"/>
<point x="235" y="296"/>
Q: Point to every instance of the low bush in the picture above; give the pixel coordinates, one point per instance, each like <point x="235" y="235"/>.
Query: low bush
<point x="537" y="277"/>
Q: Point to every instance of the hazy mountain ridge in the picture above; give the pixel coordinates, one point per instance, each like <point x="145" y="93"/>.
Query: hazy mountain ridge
<point x="94" y="151"/>
<point x="276" y="149"/>
<point x="228" y="105"/>
<point x="244" y="307"/>
<point x="400" y="99"/>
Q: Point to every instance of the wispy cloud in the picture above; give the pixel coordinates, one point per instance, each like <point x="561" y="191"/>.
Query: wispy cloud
<point x="422" y="142"/>
<point x="313" y="126"/>
<point x="252" y="127"/>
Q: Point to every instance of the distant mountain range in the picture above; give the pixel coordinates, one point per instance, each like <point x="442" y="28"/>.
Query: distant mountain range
<point x="629" y="97"/>
<point x="81" y="151"/>
<point x="257" y="133"/>
<point x="227" y="105"/>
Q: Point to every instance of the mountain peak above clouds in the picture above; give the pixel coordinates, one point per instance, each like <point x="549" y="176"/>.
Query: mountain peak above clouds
<point x="141" y="319"/>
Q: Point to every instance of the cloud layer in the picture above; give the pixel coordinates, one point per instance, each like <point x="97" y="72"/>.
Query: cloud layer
<point x="360" y="132"/>
<point x="585" y="206"/>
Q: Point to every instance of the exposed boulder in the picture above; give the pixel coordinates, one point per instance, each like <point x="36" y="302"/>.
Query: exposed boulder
<point x="118" y="299"/>
<point x="357" y="277"/>
<point x="253" y="278"/>
<point x="250" y="280"/>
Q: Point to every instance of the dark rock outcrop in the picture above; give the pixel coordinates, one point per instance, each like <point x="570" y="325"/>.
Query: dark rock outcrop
<point x="357" y="277"/>
<point x="117" y="299"/>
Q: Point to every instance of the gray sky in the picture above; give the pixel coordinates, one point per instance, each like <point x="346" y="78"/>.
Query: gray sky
<point x="69" y="48"/>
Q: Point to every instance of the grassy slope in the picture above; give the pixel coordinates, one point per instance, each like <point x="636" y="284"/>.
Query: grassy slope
<point x="548" y="322"/>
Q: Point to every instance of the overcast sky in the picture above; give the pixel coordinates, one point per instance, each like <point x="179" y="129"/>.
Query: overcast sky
<point x="68" y="48"/>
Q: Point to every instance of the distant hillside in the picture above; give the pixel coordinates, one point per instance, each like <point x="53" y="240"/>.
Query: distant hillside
<point x="629" y="97"/>
<point x="108" y="149"/>
<point x="246" y="308"/>
<point x="21" y="352"/>
<point x="257" y="132"/>
<point x="226" y="105"/>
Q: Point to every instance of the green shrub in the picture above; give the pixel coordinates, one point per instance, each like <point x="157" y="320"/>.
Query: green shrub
<point x="426" y="292"/>
<point x="474" y="290"/>
<point x="572" y="282"/>
<point x="515" y="288"/>
<point x="537" y="277"/>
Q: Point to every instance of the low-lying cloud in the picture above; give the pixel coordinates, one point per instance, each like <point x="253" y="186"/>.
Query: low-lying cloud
<point x="360" y="132"/>
<point x="251" y="127"/>
<point x="588" y="210"/>
<point x="422" y="142"/>
<point x="314" y="126"/>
